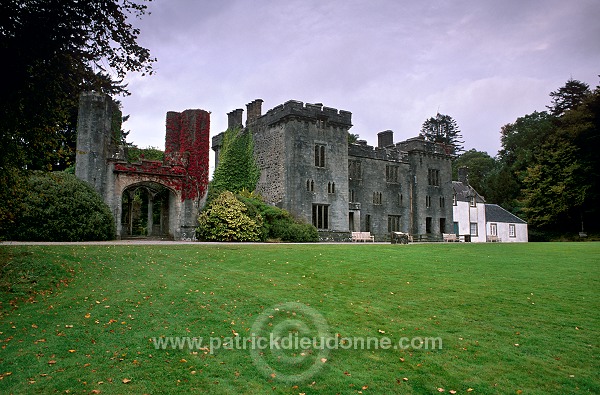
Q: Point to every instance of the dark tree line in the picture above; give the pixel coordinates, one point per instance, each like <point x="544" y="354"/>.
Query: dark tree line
<point x="547" y="170"/>
<point x="52" y="50"/>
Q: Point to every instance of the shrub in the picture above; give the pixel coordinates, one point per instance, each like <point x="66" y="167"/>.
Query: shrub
<point x="278" y="224"/>
<point x="60" y="207"/>
<point x="226" y="219"/>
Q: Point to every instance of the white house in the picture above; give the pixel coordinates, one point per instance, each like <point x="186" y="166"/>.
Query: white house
<point x="468" y="212"/>
<point x="477" y="221"/>
<point x="504" y="226"/>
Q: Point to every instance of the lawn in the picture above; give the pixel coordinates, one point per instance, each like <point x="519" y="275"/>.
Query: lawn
<point x="513" y="318"/>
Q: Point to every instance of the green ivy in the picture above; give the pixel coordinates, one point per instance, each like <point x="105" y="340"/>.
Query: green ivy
<point x="237" y="169"/>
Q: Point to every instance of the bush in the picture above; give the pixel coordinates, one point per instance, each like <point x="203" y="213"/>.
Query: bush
<point x="225" y="219"/>
<point x="278" y="224"/>
<point x="60" y="207"/>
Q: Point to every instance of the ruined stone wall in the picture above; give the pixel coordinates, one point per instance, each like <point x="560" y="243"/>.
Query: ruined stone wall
<point x="101" y="162"/>
<point x="95" y="143"/>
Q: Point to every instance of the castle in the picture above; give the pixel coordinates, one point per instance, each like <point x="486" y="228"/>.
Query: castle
<point x="306" y="166"/>
<point x="309" y="169"/>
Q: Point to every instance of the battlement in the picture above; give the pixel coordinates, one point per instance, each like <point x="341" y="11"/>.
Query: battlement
<point x="390" y="153"/>
<point x="429" y="147"/>
<point x="308" y="111"/>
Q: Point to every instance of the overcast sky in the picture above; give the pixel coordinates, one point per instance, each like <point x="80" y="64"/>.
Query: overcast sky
<point x="392" y="63"/>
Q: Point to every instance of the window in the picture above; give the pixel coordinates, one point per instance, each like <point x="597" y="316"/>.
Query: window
<point x="442" y="202"/>
<point x="331" y="187"/>
<point x="367" y="223"/>
<point x="473" y="228"/>
<point x="319" y="155"/>
<point x="442" y="225"/>
<point x="428" y="225"/>
<point x="472" y="202"/>
<point x="428" y="201"/>
<point x="310" y="185"/>
<point x="391" y="173"/>
<point x="400" y="200"/>
<point x="320" y="216"/>
<point x="354" y="171"/>
<point x="393" y="223"/>
<point x="512" y="231"/>
<point x="494" y="229"/>
<point x="377" y="198"/>
<point x="433" y="177"/>
<point x="351" y="195"/>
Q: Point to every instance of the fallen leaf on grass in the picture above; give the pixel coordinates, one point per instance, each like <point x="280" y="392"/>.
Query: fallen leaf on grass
<point x="125" y="381"/>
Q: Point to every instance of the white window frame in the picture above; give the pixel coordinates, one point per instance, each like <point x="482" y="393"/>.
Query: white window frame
<point x="473" y="228"/>
<point x="493" y="229"/>
<point x="512" y="230"/>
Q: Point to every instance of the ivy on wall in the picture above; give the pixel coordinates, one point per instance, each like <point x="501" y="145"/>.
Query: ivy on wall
<point x="237" y="169"/>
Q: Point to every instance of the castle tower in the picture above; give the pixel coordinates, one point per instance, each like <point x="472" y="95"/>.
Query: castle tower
<point x="95" y="138"/>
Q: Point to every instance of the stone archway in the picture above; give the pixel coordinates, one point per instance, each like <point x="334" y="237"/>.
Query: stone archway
<point x="147" y="210"/>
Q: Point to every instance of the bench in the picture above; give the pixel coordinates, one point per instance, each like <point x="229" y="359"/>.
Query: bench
<point x="362" y="236"/>
<point x="400" y="238"/>
<point x="449" y="237"/>
<point x="493" y="239"/>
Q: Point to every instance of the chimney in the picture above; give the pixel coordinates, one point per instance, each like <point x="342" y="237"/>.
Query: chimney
<point x="463" y="175"/>
<point x="234" y="119"/>
<point x="385" y="138"/>
<point x="254" y="111"/>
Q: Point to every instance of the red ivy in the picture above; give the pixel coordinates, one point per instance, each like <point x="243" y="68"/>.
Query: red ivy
<point x="185" y="167"/>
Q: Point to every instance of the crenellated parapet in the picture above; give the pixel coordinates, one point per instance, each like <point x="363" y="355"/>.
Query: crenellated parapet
<point x="419" y="144"/>
<point x="311" y="112"/>
<point x="390" y="153"/>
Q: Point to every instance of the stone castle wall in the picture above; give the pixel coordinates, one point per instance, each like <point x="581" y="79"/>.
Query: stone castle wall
<point x="365" y="188"/>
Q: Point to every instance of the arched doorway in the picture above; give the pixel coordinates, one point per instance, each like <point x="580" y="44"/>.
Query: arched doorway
<point x="146" y="211"/>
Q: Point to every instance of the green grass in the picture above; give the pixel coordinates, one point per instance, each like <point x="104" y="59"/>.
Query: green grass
<point x="512" y="317"/>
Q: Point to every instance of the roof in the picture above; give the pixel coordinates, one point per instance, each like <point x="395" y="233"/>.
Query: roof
<point x="464" y="192"/>
<point x="495" y="213"/>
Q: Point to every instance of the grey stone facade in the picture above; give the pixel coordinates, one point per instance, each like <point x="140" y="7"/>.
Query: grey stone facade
<point x="308" y="168"/>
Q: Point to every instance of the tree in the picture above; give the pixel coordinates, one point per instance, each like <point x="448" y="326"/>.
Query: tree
<point x="53" y="50"/>
<point x="353" y="138"/>
<point x="135" y="153"/>
<point x="568" y="97"/>
<point x="443" y="129"/>
<point x="480" y="164"/>
<point x="562" y="186"/>
<point x="521" y="142"/>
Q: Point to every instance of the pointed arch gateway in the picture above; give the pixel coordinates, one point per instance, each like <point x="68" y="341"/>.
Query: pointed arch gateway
<point x="147" y="210"/>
